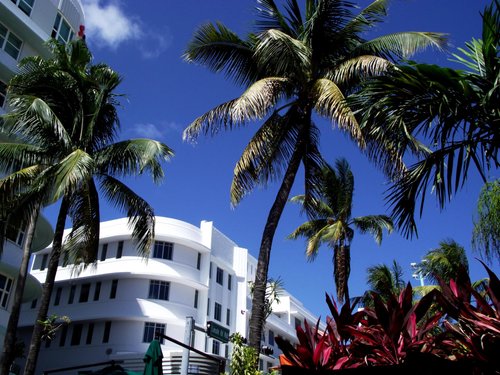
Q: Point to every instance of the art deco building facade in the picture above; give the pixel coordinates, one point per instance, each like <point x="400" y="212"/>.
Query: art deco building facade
<point x="116" y="306"/>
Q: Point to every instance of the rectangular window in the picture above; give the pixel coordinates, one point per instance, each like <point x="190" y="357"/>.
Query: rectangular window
<point x="229" y="281"/>
<point x="114" y="287"/>
<point x="3" y="93"/>
<point x="76" y="336"/>
<point x="220" y="276"/>
<point x="119" y="251"/>
<point x="198" y="260"/>
<point x="64" y="333"/>
<point x="218" y="311"/>
<point x="228" y="317"/>
<point x="215" y="347"/>
<point x="159" y="290"/>
<point x="61" y="30"/>
<point x="97" y="291"/>
<point x="210" y="271"/>
<point x="208" y="307"/>
<point x="44" y="262"/>
<point x="71" y="297"/>
<point x="150" y="330"/>
<point x="226" y="351"/>
<point x="271" y="338"/>
<point x="84" y="292"/>
<point x="90" y="333"/>
<point x="33" y="303"/>
<point x="107" y="332"/>
<point x="195" y="299"/>
<point x="163" y="250"/>
<point x="25" y="5"/>
<point x="57" y="298"/>
<point x="104" y="252"/>
<point x="5" y="287"/>
<point x="13" y="233"/>
<point x="10" y="43"/>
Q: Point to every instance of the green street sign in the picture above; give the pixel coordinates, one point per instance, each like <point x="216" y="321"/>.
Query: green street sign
<point x="218" y="332"/>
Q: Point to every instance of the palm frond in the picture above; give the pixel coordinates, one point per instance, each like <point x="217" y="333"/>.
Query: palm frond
<point x="253" y="104"/>
<point x="283" y="55"/>
<point x="271" y="17"/>
<point x="221" y="50"/>
<point x="401" y="45"/>
<point x="133" y="157"/>
<point x="15" y="156"/>
<point x="140" y="214"/>
<point x="353" y="70"/>
<point x="375" y="225"/>
<point x="330" y="102"/>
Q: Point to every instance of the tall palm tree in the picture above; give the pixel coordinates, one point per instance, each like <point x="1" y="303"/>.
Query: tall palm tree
<point x="444" y="262"/>
<point x="456" y="111"/>
<point x="385" y="280"/>
<point x="486" y="232"/>
<point x="332" y="222"/>
<point x="296" y="63"/>
<point x="64" y="111"/>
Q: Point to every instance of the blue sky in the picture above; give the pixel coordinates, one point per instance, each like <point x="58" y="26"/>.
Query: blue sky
<point x="144" y="43"/>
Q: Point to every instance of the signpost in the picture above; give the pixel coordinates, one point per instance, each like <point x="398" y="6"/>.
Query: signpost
<point x="217" y="331"/>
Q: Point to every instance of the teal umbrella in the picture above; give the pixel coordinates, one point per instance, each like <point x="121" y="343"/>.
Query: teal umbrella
<point x="153" y="359"/>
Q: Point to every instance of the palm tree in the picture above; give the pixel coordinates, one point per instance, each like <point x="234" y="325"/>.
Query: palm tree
<point x="332" y="222"/>
<point x="385" y="280"/>
<point x="64" y="109"/>
<point x="444" y="262"/>
<point x="296" y="63"/>
<point x="456" y="111"/>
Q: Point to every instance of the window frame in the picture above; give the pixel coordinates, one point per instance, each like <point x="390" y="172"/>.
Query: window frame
<point x="56" y="29"/>
<point x="219" y="276"/>
<point x="119" y="250"/>
<point x="26" y="4"/>
<point x="114" y="289"/>
<point x="163" y="250"/>
<point x="6" y="39"/>
<point x="150" y="329"/>
<point x="84" y="293"/>
<point x="104" y="252"/>
<point x="5" y="290"/>
<point x="3" y="94"/>
<point x="218" y="311"/>
<point x="159" y="290"/>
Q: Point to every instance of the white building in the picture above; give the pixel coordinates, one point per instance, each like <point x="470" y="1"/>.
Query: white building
<point x="25" y="25"/>
<point x="116" y="306"/>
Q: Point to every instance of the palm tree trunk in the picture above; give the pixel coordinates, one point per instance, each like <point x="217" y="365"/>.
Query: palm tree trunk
<point x="36" y="337"/>
<point x="341" y="270"/>
<point x="258" y="317"/>
<point x="10" y="335"/>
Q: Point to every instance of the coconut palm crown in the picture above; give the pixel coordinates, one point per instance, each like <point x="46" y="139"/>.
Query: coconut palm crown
<point x="295" y="63"/>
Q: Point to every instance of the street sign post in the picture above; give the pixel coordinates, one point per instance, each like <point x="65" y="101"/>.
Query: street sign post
<point x="218" y="332"/>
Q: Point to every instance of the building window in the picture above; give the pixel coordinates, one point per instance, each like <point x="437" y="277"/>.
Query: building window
<point x="64" y="333"/>
<point x="198" y="261"/>
<point x="57" y="298"/>
<point x="228" y="317"/>
<point x="84" y="293"/>
<point x="107" y="332"/>
<point x="159" y="290"/>
<point x="25" y="5"/>
<point x="226" y="351"/>
<point x="150" y="330"/>
<point x="13" y="233"/>
<point x="195" y="299"/>
<point x="271" y="338"/>
<point x="208" y="307"/>
<point x="76" y="336"/>
<point x="298" y="323"/>
<point x="114" y="287"/>
<point x="219" y="278"/>
<point x="163" y="250"/>
<point x="43" y="265"/>
<point x="33" y="303"/>
<point x="3" y="93"/>
<point x="71" y="297"/>
<point x="210" y="271"/>
<point x="10" y="43"/>
<point x="104" y="252"/>
<point x="5" y="287"/>
<point x="90" y="333"/>
<point x="229" y="281"/>
<point x="119" y="251"/>
<point x="218" y="311"/>
<point x="97" y="291"/>
<point x="215" y="347"/>
<point x="61" y="30"/>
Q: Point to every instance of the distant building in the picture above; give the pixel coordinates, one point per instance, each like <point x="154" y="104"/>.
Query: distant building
<point x="116" y="306"/>
<point x="24" y="27"/>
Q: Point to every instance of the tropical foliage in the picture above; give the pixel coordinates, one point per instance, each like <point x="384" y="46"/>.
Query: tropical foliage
<point x="465" y="331"/>
<point x="456" y="112"/>
<point x="297" y="62"/>
<point x="332" y="222"/>
<point x="384" y="280"/>
<point x="486" y="235"/>
<point x="65" y="122"/>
